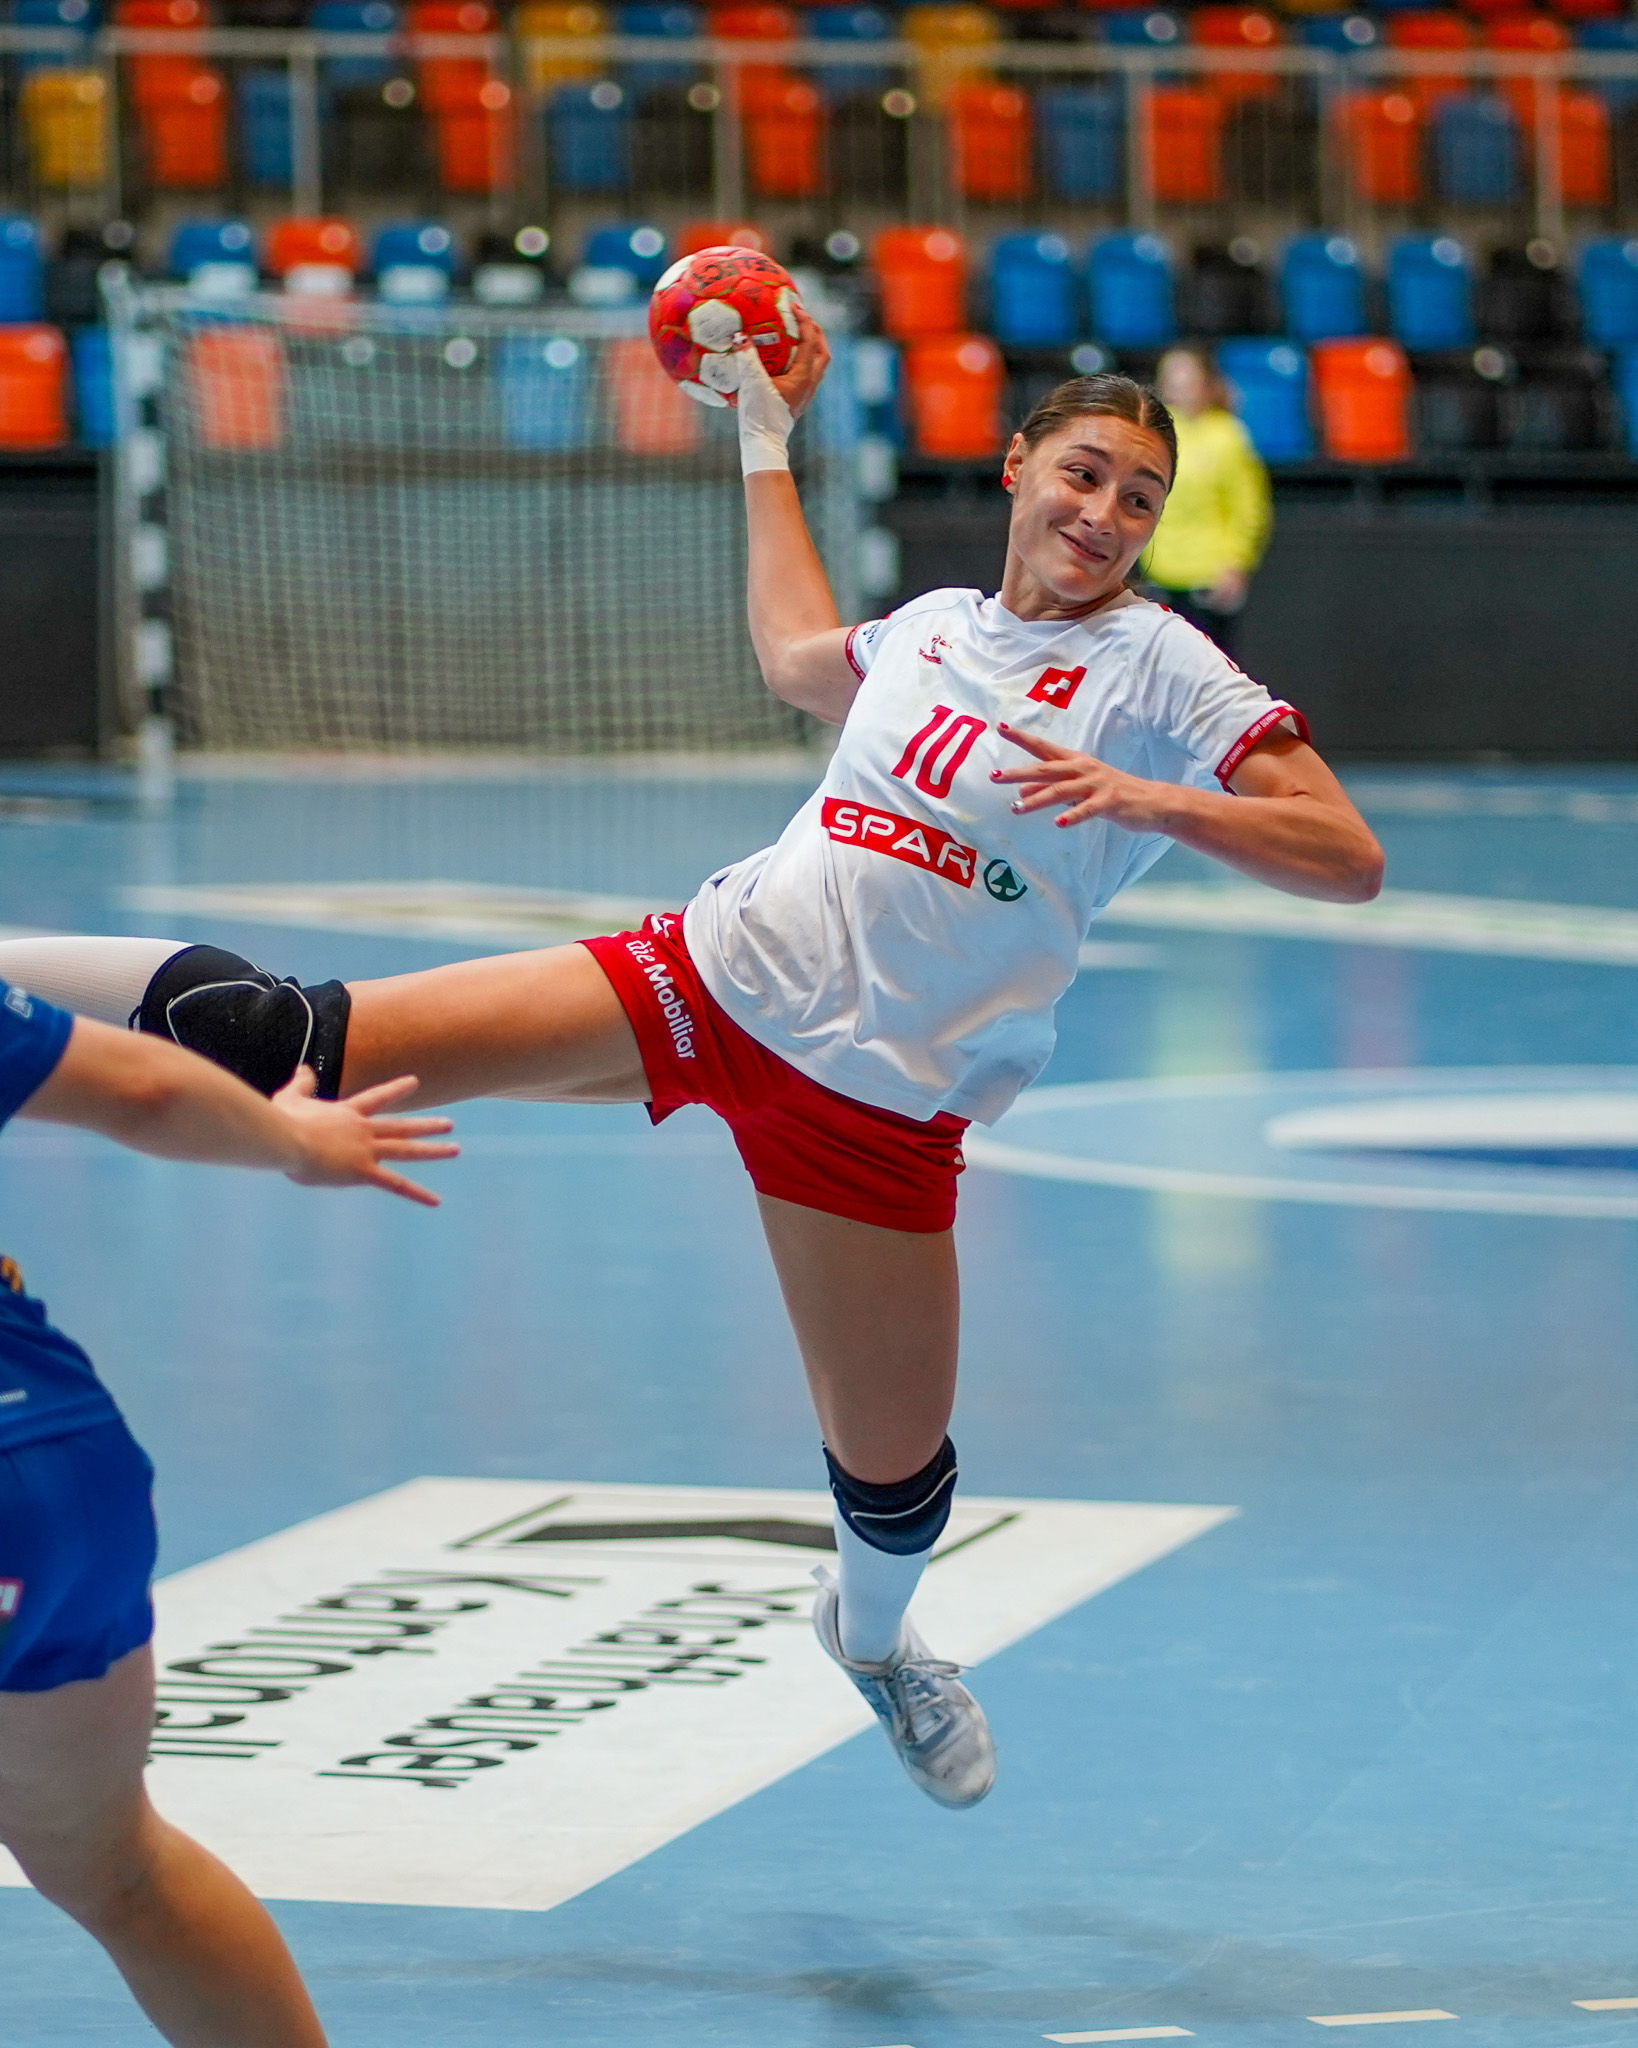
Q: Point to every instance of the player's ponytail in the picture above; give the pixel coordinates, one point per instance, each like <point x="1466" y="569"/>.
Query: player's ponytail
<point x="1108" y="393"/>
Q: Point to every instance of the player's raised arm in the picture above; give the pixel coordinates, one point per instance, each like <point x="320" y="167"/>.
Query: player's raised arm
<point x="158" y="1098"/>
<point x="800" y="642"/>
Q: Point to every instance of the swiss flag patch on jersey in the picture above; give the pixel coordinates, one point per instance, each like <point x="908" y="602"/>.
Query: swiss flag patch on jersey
<point x="923" y="846"/>
<point x="1057" y="686"/>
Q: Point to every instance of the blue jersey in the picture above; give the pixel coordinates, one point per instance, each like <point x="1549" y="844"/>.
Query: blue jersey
<point x="47" y="1384"/>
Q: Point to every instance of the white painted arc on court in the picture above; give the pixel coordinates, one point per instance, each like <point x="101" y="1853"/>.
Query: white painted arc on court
<point x="1588" y="1122"/>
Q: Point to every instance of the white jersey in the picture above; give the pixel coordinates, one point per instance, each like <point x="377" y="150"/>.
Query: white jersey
<point x="905" y="940"/>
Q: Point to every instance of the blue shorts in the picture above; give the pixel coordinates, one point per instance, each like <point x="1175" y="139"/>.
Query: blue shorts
<point x="77" y="1549"/>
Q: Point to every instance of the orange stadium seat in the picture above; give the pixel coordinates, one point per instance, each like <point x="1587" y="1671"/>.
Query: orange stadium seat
<point x="651" y="416"/>
<point x="922" y="277"/>
<point x="1439" y="29"/>
<point x="236" y="384"/>
<point x="784" y="134"/>
<point x="954" y="383"/>
<point x="990" y="141"/>
<point x="297" y="240"/>
<point x="720" y="234"/>
<point x="1237" y="28"/>
<point x="1382" y="132"/>
<point x="474" y="136"/>
<point x="183" y="125"/>
<point x="33" y="387"/>
<point x="1186" y="144"/>
<point x="451" y="82"/>
<point x="1363" y="392"/>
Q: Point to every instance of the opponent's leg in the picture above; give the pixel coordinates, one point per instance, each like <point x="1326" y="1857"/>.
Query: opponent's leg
<point x="544" y="1024"/>
<point x="202" y="1957"/>
<point x="876" y="1314"/>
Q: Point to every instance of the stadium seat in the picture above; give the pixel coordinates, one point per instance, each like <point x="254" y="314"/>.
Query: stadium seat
<point x="1132" y="299"/>
<point x="650" y="415"/>
<point x="1269" y="384"/>
<point x="944" y="36"/>
<point x="547" y="390"/>
<point x="672" y="21"/>
<point x="217" y="257"/>
<point x="953" y="387"/>
<point x="784" y="128"/>
<point x="33" y="386"/>
<point x="1519" y="299"/>
<point x="182" y="124"/>
<point x="1271" y="150"/>
<point x="1322" y="288"/>
<point x="413" y="262"/>
<point x="354" y="18"/>
<point x="81" y="15"/>
<point x="1524" y="33"/>
<point x="96" y="421"/>
<point x="450" y="84"/>
<point x="1456" y="410"/>
<point x="1553" y="407"/>
<point x="316" y="258"/>
<point x="754" y="21"/>
<point x="65" y="122"/>
<point x="1154" y="28"/>
<point x="22" y="271"/>
<point x="1224" y="291"/>
<point x="473" y="134"/>
<point x="1383" y="132"/>
<point x="1616" y="37"/>
<point x="990" y="141"/>
<point x="1342" y="34"/>
<point x="843" y="24"/>
<point x="1186" y="145"/>
<point x="588" y="133"/>
<point x="617" y="263"/>
<point x="876" y="369"/>
<point x="509" y="270"/>
<point x="264" y="126"/>
<point x="1586" y="166"/>
<point x="1082" y="130"/>
<point x="921" y="274"/>
<point x="1033" y="300"/>
<point x="235" y="385"/>
<point x="1363" y="390"/>
<point x="1609" y="293"/>
<point x="1624" y="382"/>
<point x="696" y="235"/>
<point x="1237" y="28"/>
<point x="375" y="138"/>
<point x="561" y="21"/>
<point x="73" y="290"/>
<point x="1430" y="298"/>
<point x="1476" y="150"/>
<point x="1438" y="28"/>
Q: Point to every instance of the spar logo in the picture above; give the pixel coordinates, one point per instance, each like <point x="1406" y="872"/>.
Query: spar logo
<point x="678" y="1017"/>
<point x="922" y="846"/>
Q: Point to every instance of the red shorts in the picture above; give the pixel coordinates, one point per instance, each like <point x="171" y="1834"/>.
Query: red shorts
<point x="800" y="1142"/>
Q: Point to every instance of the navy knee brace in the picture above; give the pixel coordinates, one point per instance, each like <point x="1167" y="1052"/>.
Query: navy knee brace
<point x="907" y="1516"/>
<point x="220" y="1005"/>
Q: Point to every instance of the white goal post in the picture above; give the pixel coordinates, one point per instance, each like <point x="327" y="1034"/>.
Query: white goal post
<point x="343" y="525"/>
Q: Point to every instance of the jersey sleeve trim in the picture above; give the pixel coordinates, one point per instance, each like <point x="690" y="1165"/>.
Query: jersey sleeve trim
<point x="847" y="648"/>
<point x="1278" y="713"/>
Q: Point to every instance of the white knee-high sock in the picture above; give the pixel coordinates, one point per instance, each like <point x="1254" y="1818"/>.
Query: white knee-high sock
<point x="875" y="1589"/>
<point x="100" y="978"/>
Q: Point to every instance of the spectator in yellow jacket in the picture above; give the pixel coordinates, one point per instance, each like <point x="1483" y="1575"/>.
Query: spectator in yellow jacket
<point x="1216" y="523"/>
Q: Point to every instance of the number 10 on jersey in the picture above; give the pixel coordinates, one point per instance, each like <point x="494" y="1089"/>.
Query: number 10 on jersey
<point x="938" y="750"/>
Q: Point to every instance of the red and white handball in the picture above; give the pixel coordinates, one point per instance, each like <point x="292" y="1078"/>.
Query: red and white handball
<point x="713" y="302"/>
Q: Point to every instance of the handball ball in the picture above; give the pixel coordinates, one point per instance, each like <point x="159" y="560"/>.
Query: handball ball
<point x="713" y="302"/>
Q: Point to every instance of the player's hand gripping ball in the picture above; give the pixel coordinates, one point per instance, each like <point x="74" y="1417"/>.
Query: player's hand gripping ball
<point x="714" y="302"/>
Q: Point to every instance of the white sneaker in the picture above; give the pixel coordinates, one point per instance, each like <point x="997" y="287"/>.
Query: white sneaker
<point x="936" y="1727"/>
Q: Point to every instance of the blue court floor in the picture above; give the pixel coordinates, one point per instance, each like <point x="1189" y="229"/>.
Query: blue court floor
<point x="1370" y="1747"/>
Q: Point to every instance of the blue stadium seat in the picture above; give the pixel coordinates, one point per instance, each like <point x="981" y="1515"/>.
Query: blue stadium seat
<point x="1032" y="292"/>
<point x="876" y="370"/>
<point x="213" y="245"/>
<point x="1322" y="288"/>
<point x="355" y="18"/>
<point x="1082" y="140"/>
<point x="264" y="126"/>
<point x="1620" y="38"/>
<point x="1341" y="33"/>
<point x="1143" y="27"/>
<point x="76" y="14"/>
<point x="1269" y="382"/>
<point x="852" y="25"/>
<point x="675" y="20"/>
<point x="22" y="270"/>
<point x="96" y="424"/>
<point x="1430" y="293"/>
<point x="546" y="389"/>
<point x="589" y="130"/>
<point x="1132" y="300"/>
<point x="413" y="262"/>
<point x="1476" y="151"/>
<point x="1609" y="293"/>
<point x="1624" y="376"/>
<point x="635" y="246"/>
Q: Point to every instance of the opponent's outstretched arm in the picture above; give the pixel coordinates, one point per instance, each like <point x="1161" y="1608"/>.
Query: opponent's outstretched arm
<point x="1289" y="822"/>
<point x="800" y="642"/>
<point x="155" y="1097"/>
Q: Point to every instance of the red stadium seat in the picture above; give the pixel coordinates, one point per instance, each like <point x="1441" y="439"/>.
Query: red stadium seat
<point x="990" y="144"/>
<point x="720" y="234"/>
<point x="474" y="135"/>
<point x="1186" y="144"/>
<point x="954" y="383"/>
<point x="922" y="277"/>
<point x="1439" y="29"/>
<point x="1363" y="392"/>
<point x="651" y="416"/>
<point x="451" y="82"/>
<point x="1237" y="28"/>
<point x="297" y="240"/>
<point x="33" y="387"/>
<point x="1383" y="135"/>
<point x="236" y="385"/>
<point x="183" y="125"/>
<point x="784" y="134"/>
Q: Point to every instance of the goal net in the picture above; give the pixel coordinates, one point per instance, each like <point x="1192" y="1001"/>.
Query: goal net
<point x="354" y="526"/>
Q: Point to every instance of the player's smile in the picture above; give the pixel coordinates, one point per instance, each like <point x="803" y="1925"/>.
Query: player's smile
<point x="1096" y="488"/>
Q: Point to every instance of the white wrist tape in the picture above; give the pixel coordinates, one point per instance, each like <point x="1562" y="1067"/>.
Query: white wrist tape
<point x="765" y="420"/>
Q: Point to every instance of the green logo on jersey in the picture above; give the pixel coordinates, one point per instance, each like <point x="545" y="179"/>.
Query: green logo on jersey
<point x="1002" y="883"/>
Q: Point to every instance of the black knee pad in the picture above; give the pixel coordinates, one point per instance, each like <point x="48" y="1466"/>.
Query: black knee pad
<point x="224" y="1007"/>
<point x="904" y="1517"/>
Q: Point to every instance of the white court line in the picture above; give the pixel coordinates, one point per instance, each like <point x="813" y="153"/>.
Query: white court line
<point x="1128" y="2034"/>
<point x="1606" y="2004"/>
<point x="1375" y="2019"/>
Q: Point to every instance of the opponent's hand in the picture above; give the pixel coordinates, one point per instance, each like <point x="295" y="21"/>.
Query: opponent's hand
<point x="1090" y="787"/>
<point x="808" y="365"/>
<point x="343" y="1144"/>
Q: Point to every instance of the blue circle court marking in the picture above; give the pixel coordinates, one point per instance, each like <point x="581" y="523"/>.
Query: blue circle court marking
<point x="1515" y="1141"/>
